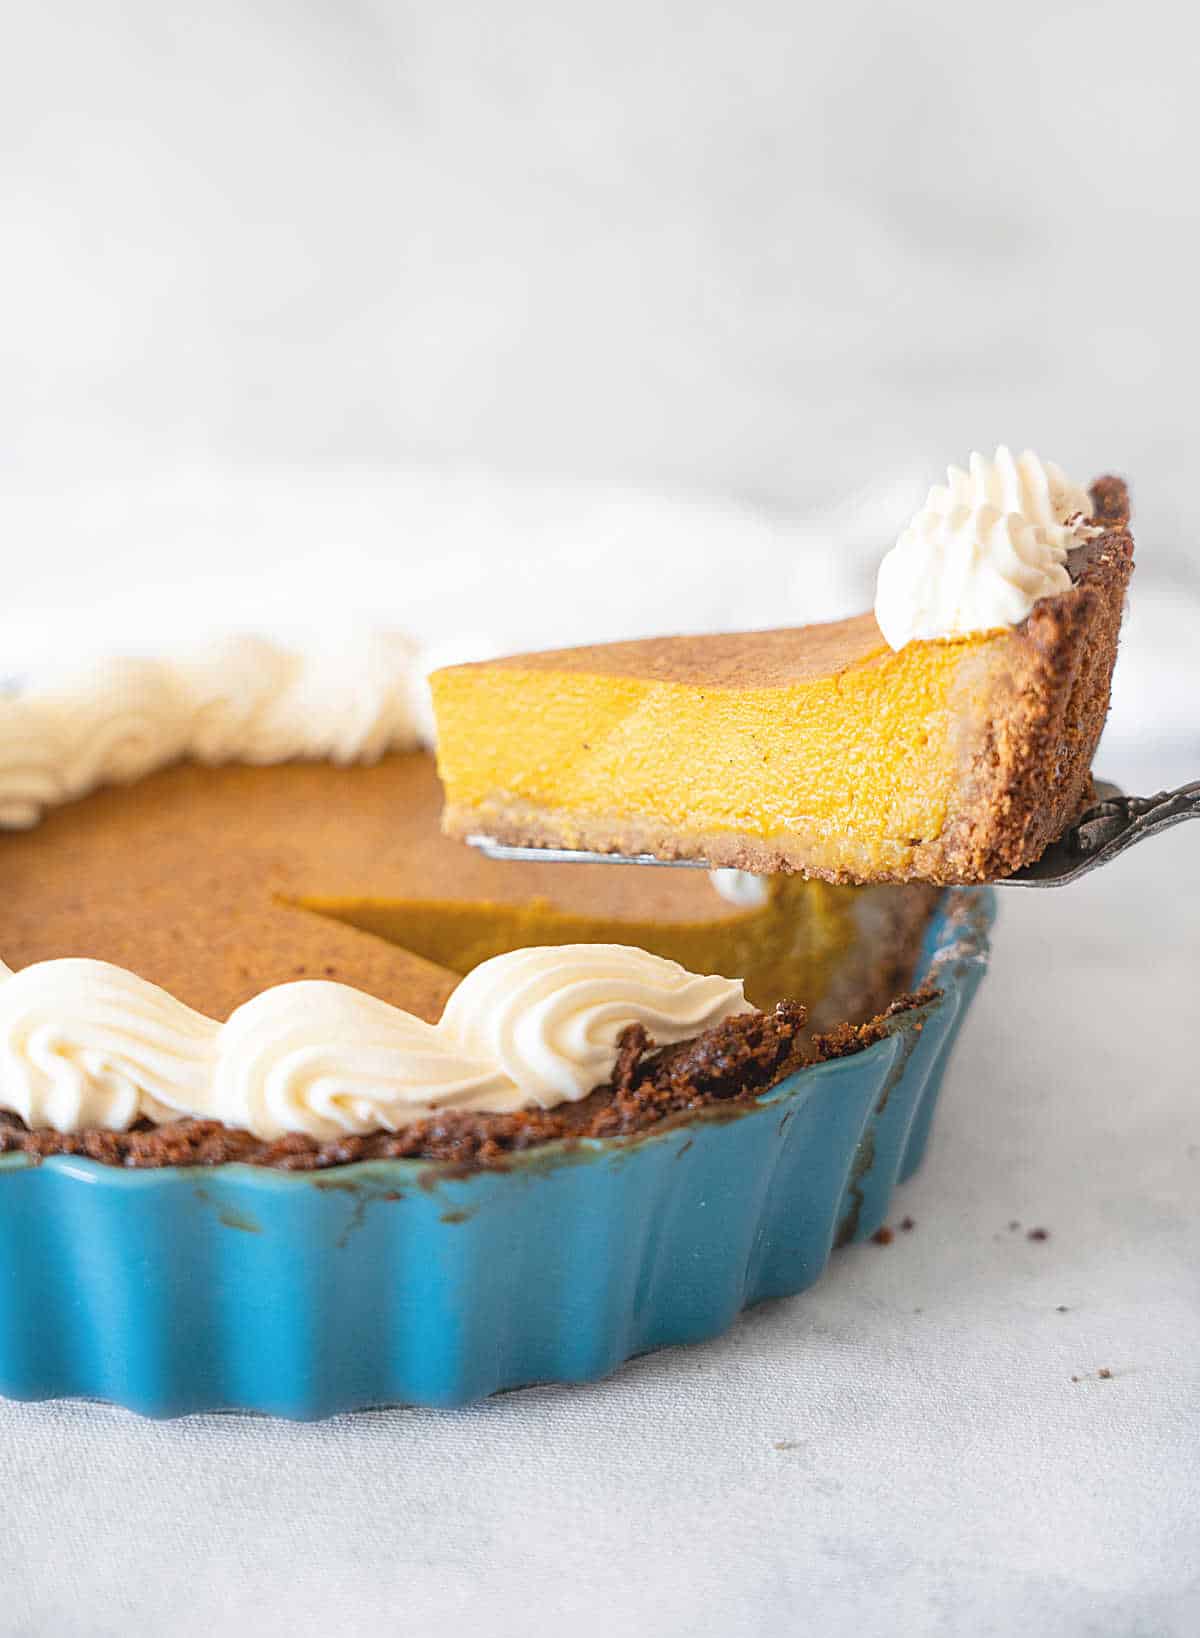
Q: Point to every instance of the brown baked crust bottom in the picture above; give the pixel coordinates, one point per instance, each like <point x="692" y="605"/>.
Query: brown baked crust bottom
<point x="723" y="1069"/>
<point x="1026" y="766"/>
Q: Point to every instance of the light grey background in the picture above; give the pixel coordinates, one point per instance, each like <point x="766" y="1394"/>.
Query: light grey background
<point x="525" y="323"/>
<point x="303" y="304"/>
<point x="758" y="250"/>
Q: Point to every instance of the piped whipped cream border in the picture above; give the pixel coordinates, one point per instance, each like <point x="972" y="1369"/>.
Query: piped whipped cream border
<point x="85" y="1043"/>
<point x="242" y="699"/>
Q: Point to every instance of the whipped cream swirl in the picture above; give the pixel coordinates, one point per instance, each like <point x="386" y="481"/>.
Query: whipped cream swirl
<point x="984" y="548"/>
<point x="83" y="1043"/>
<point x="327" y="1059"/>
<point x="550" y="1018"/>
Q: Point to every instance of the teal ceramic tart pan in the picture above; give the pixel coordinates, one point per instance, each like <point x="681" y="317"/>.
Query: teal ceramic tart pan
<point x="237" y="1287"/>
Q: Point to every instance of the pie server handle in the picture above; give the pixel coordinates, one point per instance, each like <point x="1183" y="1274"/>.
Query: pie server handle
<point x="1113" y="824"/>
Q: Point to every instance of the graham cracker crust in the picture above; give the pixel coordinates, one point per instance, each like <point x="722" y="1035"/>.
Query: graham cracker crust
<point x="1031" y="777"/>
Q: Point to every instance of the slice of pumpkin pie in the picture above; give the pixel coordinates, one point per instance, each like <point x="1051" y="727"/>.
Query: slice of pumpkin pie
<point x="947" y="737"/>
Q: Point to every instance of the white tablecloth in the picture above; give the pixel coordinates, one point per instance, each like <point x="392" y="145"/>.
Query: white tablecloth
<point x="922" y="1444"/>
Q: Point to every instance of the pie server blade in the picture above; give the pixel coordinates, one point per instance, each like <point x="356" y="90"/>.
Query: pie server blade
<point x="1111" y="825"/>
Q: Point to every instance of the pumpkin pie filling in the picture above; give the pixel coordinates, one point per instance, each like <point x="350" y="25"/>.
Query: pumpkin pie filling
<point x="216" y="883"/>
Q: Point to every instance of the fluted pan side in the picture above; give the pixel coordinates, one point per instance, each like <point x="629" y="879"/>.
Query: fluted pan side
<point x="392" y="1282"/>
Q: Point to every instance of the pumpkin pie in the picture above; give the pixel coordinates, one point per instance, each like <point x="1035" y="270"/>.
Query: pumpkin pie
<point x="216" y="883"/>
<point x="815" y="750"/>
